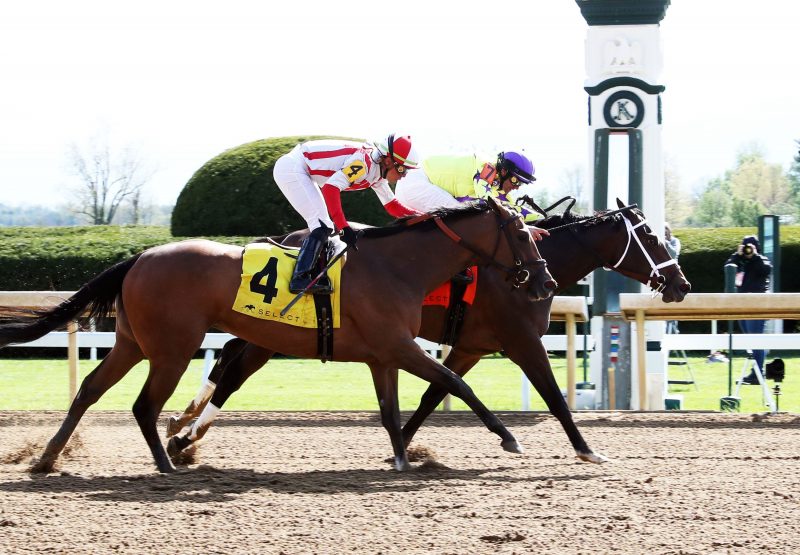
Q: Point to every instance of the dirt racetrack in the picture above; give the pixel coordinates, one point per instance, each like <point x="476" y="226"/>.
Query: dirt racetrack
<point x="319" y="483"/>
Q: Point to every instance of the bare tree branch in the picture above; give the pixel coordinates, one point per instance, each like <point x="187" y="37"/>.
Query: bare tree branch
<point x="106" y="180"/>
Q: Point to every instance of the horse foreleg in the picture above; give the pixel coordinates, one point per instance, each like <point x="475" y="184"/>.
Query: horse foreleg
<point x="240" y="368"/>
<point x="416" y="361"/>
<point x="111" y="369"/>
<point x="385" y="381"/>
<point x="460" y="364"/>
<point x="534" y="363"/>
<point x="230" y="353"/>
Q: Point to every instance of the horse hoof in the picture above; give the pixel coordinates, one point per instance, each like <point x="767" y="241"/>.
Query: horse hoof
<point x="44" y="465"/>
<point x="513" y="446"/>
<point x="402" y="465"/>
<point x="173" y="426"/>
<point x="177" y="444"/>
<point x="167" y="469"/>
<point x="595" y="458"/>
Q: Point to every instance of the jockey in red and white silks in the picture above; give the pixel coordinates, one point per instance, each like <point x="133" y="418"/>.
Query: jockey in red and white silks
<point x="313" y="175"/>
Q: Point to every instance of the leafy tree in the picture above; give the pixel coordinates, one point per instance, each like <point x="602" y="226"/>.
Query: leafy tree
<point x="745" y="212"/>
<point x="794" y="178"/>
<point x="754" y="179"/>
<point x="713" y="207"/>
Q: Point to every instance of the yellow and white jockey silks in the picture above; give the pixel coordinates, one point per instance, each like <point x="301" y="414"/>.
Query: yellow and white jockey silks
<point x="447" y="181"/>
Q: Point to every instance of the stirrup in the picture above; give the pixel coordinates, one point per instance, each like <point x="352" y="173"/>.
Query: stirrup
<point x="322" y="287"/>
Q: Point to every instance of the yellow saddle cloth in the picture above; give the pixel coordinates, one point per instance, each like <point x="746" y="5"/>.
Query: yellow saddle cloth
<point x="264" y="290"/>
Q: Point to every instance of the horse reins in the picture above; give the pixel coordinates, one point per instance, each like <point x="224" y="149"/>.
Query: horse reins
<point x="520" y="274"/>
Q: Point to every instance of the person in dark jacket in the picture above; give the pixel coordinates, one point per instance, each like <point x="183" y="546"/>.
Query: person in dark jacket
<point x="752" y="276"/>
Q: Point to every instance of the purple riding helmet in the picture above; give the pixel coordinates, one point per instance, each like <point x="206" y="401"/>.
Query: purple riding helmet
<point x="518" y="165"/>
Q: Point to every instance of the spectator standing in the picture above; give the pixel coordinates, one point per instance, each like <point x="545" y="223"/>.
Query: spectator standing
<point x="672" y="243"/>
<point x="752" y="276"/>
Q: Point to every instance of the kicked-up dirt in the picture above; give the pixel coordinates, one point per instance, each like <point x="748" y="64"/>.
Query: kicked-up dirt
<point x="687" y="483"/>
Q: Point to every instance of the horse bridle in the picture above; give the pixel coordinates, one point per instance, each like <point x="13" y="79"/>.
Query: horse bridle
<point x="660" y="279"/>
<point x="654" y="276"/>
<point x="519" y="274"/>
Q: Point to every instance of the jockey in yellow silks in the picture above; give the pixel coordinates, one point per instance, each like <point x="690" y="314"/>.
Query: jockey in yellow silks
<point x="447" y="181"/>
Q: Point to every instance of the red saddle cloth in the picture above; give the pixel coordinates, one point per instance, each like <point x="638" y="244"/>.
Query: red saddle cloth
<point x="441" y="295"/>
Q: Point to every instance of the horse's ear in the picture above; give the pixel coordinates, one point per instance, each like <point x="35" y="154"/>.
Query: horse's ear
<point x="620" y="204"/>
<point x="492" y="203"/>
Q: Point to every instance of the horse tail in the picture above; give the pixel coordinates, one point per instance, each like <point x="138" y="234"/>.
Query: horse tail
<point x="97" y="296"/>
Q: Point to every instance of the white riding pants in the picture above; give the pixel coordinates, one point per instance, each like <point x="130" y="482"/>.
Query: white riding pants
<point x="417" y="192"/>
<point x="291" y="176"/>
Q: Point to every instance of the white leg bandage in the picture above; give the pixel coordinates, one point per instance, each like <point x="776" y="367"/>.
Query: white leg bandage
<point x="206" y="391"/>
<point x="205" y="420"/>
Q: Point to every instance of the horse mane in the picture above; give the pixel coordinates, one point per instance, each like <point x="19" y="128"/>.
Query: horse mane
<point x="578" y="221"/>
<point x="401" y="224"/>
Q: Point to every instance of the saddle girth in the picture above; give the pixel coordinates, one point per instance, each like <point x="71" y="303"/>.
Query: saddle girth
<point x="322" y="305"/>
<point x="456" y="308"/>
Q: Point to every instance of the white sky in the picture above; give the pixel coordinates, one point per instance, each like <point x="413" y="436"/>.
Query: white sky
<point x="184" y="80"/>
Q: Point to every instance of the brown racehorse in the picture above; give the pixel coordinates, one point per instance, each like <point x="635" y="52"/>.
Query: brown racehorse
<point x="619" y="240"/>
<point x="169" y="296"/>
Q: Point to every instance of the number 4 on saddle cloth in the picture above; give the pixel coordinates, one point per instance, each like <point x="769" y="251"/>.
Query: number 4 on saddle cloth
<point x="264" y="289"/>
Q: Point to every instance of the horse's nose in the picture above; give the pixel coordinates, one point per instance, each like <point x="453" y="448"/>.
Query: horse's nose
<point x="685" y="287"/>
<point x="550" y="285"/>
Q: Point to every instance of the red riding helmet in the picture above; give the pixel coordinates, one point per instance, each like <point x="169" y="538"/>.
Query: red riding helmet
<point x="400" y="149"/>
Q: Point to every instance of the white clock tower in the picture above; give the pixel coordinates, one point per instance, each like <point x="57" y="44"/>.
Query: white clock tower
<point x="623" y="70"/>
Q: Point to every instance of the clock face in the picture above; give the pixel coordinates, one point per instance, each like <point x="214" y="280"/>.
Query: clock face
<point x="623" y="109"/>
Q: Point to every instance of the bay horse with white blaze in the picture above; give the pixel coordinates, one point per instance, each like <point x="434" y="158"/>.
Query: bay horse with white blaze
<point x="497" y="321"/>
<point x="169" y="296"/>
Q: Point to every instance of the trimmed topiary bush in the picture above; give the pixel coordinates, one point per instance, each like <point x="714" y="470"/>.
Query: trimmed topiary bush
<point x="235" y="194"/>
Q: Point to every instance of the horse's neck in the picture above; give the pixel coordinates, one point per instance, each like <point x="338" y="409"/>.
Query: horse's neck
<point x="422" y="258"/>
<point x="568" y="259"/>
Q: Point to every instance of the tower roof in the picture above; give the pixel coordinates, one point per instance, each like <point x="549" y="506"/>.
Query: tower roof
<point x="623" y="12"/>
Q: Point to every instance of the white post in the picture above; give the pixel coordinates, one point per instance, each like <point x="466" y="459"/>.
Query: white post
<point x="526" y="393"/>
<point x="447" y="398"/>
<point x="208" y="363"/>
<point x="92" y="350"/>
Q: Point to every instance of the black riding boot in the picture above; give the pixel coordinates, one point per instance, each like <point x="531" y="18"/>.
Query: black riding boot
<point x="306" y="267"/>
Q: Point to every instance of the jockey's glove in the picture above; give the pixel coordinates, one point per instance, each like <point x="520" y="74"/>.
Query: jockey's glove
<point x="350" y="237"/>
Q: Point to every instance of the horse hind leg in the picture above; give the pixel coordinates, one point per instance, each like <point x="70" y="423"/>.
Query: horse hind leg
<point x="123" y="356"/>
<point x="160" y="385"/>
<point x="240" y="368"/>
<point x="235" y="354"/>
<point x="230" y="351"/>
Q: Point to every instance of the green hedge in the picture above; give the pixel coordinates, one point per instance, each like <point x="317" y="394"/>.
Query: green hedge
<point x="63" y="258"/>
<point x="235" y="194"/>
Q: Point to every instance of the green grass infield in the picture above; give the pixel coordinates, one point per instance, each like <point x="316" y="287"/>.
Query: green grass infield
<point x="296" y="385"/>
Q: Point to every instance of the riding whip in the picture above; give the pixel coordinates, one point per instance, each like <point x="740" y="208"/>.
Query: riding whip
<point x="313" y="282"/>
